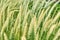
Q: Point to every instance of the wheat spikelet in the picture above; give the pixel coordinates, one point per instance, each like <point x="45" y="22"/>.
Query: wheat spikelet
<point x="29" y="20"/>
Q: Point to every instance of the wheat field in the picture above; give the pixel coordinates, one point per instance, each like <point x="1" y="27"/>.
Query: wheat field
<point x="29" y="19"/>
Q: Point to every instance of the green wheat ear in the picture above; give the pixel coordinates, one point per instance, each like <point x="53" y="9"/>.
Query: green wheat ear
<point x="29" y="20"/>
